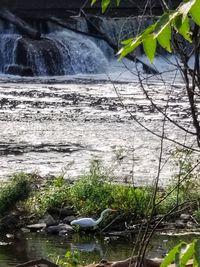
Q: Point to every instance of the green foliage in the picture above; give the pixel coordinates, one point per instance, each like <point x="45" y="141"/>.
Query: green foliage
<point x="105" y="4"/>
<point x="182" y="253"/>
<point x="178" y="20"/>
<point x="70" y="259"/>
<point x="94" y="192"/>
<point x="186" y="183"/>
<point x="132" y="200"/>
<point x="196" y="215"/>
<point x="189" y="185"/>
<point x="18" y="188"/>
<point x="54" y="193"/>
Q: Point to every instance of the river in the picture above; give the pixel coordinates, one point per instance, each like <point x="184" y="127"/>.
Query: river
<point x="58" y="125"/>
<point x="90" y="248"/>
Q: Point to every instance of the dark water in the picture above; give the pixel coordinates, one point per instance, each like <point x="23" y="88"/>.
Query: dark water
<point x="91" y="248"/>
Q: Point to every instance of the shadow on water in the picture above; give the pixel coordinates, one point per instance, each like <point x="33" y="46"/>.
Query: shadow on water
<point x="91" y="248"/>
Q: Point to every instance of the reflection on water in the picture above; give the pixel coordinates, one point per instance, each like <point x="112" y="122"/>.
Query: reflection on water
<point x="91" y="248"/>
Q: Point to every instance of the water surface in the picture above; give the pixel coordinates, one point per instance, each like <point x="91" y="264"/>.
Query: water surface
<point x="91" y="248"/>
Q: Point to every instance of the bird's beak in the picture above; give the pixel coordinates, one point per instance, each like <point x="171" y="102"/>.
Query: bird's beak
<point x="114" y="210"/>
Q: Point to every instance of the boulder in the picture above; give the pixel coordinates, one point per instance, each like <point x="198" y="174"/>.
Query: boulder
<point x="180" y="224"/>
<point x="191" y="225"/>
<point x="56" y="229"/>
<point x="48" y="220"/>
<point x="63" y="233"/>
<point x="20" y="70"/>
<point x="185" y="217"/>
<point x="69" y="219"/>
<point x="36" y="227"/>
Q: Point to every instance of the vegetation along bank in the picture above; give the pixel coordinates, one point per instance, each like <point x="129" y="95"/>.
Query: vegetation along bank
<point x="32" y="203"/>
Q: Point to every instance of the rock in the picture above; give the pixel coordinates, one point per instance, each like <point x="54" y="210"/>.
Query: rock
<point x="63" y="233"/>
<point x="191" y="225"/>
<point x="4" y="244"/>
<point x="69" y="219"/>
<point x="180" y="224"/>
<point x="36" y="227"/>
<point x="25" y="230"/>
<point x="56" y="229"/>
<point x="185" y="217"/>
<point x="48" y="220"/>
<point x="20" y="70"/>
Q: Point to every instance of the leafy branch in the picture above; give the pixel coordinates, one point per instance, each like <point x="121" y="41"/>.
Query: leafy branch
<point x="160" y="32"/>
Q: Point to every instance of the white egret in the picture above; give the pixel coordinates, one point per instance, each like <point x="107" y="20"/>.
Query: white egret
<point x="89" y="222"/>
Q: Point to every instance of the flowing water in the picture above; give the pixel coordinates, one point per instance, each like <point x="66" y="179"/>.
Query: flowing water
<point x="59" y="125"/>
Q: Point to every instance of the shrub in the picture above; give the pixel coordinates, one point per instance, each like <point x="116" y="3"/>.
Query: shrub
<point x="132" y="200"/>
<point x="95" y="191"/>
<point x="18" y="188"/>
<point x="54" y="193"/>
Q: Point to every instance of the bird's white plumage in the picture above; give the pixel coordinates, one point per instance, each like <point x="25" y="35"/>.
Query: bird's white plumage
<point x="89" y="222"/>
<point x="84" y="222"/>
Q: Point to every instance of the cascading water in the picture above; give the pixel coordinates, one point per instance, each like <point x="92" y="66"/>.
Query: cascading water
<point x="61" y="51"/>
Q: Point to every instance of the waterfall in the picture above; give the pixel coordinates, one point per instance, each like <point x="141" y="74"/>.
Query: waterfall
<point x="62" y="51"/>
<point x="7" y="49"/>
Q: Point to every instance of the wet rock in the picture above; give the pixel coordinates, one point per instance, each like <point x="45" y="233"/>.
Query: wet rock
<point x="36" y="227"/>
<point x="19" y="70"/>
<point x="191" y="225"/>
<point x="4" y="243"/>
<point x="48" y="220"/>
<point x="56" y="229"/>
<point x="185" y="217"/>
<point x="25" y="230"/>
<point x="63" y="233"/>
<point x="180" y="224"/>
<point x="69" y="219"/>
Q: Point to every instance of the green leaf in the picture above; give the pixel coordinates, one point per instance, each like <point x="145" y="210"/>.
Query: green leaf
<point x="117" y="2"/>
<point x="177" y="259"/>
<point x="185" y="7"/>
<point x="105" y="4"/>
<point x="195" y="12"/>
<point x="197" y="252"/>
<point x="187" y="254"/>
<point x="164" y="21"/>
<point x="164" y="38"/>
<point x="132" y="43"/>
<point x="130" y="46"/>
<point x="149" y="45"/>
<point x="183" y="27"/>
<point x="93" y="2"/>
<point x="127" y="41"/>
<point x="172" y="254"/>
<point x="128" y="49"/>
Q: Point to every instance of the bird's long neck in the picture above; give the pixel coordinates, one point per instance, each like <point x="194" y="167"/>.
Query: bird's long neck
<point x="101" y="217"/>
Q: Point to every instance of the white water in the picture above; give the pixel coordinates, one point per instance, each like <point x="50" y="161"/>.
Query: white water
<point x="58" y="128"/>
